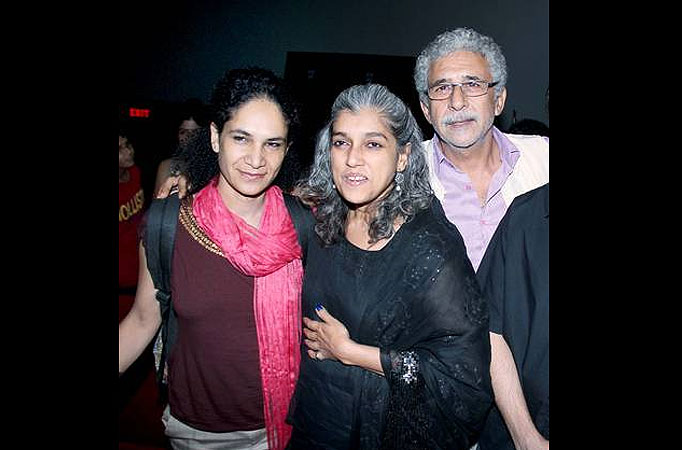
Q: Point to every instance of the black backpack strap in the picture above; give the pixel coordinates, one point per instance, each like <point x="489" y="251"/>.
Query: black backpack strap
<point x="162" y="221"/>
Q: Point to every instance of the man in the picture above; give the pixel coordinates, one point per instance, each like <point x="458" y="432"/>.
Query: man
<point x="476" y="171"/>
<point x="514" y="276"/>
<point x="138" y="406"/>
<point x="130" y="210"/>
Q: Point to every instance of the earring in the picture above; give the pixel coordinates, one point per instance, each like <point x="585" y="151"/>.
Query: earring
<point x="399" y="178"/>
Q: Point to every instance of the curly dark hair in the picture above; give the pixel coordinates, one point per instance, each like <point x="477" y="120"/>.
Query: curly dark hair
<point x="196" y="159"/>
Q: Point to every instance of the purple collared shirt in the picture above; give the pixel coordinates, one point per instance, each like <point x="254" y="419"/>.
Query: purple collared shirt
<point x="475" y="222"/>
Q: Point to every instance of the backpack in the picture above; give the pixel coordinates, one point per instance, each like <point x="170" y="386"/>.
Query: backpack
<point x="162" y="221"/>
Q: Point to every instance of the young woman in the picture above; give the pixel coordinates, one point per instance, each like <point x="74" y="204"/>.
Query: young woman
<point x="396" y="352"/>
<point x="236" y="278"/>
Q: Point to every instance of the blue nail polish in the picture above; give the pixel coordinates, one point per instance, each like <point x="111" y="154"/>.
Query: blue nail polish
<point x="318" y="307"/>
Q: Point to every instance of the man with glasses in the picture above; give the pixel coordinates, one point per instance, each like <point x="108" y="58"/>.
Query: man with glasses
<point x="476" y="171"/>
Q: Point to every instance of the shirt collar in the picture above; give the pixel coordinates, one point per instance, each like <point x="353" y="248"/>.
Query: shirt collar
<point x="509" y="154"/>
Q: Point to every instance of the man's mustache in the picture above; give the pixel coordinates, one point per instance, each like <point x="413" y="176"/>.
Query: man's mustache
<point x="461" y="117"/>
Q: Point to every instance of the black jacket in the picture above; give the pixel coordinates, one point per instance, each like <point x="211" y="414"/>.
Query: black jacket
<point x="514" y="276"/>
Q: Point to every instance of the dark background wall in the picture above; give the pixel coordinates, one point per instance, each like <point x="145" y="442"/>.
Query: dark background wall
<point x="172" y="51"/>
<point x="175" y="52"/>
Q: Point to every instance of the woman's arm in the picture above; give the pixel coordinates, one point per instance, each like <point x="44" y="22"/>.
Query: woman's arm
<point x="138" y="328"/>
<point x="162" y="173"/>
<point x="439" y="368"/>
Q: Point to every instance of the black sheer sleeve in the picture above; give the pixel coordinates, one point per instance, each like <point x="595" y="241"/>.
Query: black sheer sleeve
<point x="438" y="371"/>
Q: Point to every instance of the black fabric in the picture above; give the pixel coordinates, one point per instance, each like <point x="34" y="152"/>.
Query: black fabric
<point x="514" y="275"/>
<point x="301" y="218"/>
<point x="416" y="299"/>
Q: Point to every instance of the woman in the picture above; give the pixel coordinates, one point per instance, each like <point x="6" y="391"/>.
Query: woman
<point x="236" y="278"/>
<point x="191" y="118"/>
<point x="396" y="331"/>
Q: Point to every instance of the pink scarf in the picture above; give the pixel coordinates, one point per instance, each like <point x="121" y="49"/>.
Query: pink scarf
<point x="272" y="255"/>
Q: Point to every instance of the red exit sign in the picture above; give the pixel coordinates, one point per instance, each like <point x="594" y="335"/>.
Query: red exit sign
<point x="139" y="112"/>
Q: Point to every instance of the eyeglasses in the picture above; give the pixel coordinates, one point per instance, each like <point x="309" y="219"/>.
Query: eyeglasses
<point x="472" y="88"/>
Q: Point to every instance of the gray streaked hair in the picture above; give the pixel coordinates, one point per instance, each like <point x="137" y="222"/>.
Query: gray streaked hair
<point x="460" y="39"/>
<point x="415" y="193"/>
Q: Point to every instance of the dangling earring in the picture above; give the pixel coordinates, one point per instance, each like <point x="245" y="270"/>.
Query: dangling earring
<point x="399" y="178"/>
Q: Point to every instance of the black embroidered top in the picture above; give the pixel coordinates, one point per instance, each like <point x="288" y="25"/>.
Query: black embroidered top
<point x="418" y="300"/>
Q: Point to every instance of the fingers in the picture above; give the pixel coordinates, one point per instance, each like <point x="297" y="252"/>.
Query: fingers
<point x="321" y="312"/>
<point x="329" y="320"/>
<point x="310" y="334"/>
<point x="318" y="355"/>
<point x="167" y="186"/>
<point x="162" y="192"/>
<point x="312" y="341"/>
<point x="310" y="323"/>
<point x="182" y="187"/>
<point x="314" y="349"/>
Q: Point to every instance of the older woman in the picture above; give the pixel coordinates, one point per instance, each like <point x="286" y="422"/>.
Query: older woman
<point x="396" y="351"/>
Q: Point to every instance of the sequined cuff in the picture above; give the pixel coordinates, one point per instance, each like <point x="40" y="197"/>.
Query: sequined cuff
<point x="403" y="367"/>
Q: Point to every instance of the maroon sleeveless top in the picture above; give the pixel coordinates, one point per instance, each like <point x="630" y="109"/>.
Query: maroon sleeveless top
<point x="214" y="371"/>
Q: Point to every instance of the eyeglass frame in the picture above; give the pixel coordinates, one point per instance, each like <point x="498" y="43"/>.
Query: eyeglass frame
<point x="488" y="83"/>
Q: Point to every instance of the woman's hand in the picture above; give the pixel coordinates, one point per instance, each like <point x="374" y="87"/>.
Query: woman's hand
<point x="328" y="338"/>
<point x="172" y="182"/>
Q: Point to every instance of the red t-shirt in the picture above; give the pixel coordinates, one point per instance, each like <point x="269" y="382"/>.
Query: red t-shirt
<point x="214" y="367"/>
<point x="130" y="203"/>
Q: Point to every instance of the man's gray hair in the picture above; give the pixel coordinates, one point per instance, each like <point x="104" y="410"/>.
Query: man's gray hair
<point x="460" y="39"/>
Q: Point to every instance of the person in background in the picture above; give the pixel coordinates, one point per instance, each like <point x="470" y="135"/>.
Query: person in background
<point x="396" y="353"/>
<point x="192" y="118"/>
<point x="514" y="276"/>
<point x="475" y="169"/>
<point x="236" y="278"/>
<point x="130" y="210"/>
<point x="138" y="394"/>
